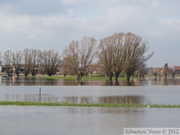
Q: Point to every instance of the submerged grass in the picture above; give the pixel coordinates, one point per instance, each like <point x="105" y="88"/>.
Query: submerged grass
<point x="19" y="103"/>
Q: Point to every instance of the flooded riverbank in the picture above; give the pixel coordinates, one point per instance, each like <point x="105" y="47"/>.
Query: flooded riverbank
<point x="37" y="120"/>
<point x="35" y="81"/>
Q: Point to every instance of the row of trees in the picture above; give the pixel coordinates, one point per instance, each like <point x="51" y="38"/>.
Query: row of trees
<point x="164" y="71"/>
<point x="122" y="52"/>
<point x="30" y="61"/>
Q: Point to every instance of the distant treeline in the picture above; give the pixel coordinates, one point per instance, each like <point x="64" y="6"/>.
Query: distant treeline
<point x="120" y="52"/>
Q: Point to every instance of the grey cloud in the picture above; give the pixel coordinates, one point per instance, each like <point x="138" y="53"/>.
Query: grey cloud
<point x="36" y="7"/>
<point x="47" y="23"/>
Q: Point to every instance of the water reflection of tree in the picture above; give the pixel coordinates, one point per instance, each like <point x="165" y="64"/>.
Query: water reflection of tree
<point x="105" y="100"/>
<point x="165" y="82"/>
<point x="28" y="81"/>
<point x="12" y="97"/>
<point x="79" y="100"/>
<point x="122" y="100"/>
<point x="40" y="98"/>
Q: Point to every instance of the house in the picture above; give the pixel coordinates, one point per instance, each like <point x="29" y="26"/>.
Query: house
<point x="94" y="69"/>
<point x="176" y="69"/>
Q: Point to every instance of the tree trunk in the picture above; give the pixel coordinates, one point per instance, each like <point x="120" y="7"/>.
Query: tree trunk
<point x="110" y="76"/>
<point x="49" y="73"/>
<point x="117" y="75"/>
<point x="17" y="72"/>
<point x="79" y="77"/>
<point x="26" y="74"/>
<point x="128" y="77"/>
<point x="173" y="74"/>
<point x="33" y="73"/>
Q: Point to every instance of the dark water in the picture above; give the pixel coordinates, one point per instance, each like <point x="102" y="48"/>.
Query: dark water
<point x="22" y="81"/>
<point x="31" y="120"/>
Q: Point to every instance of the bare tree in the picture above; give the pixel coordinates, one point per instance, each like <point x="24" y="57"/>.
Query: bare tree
<point x="86" y="54"/>
<point x="135" y="48"/>
<point x="78" y="56"/>
<point x="106" y="57"/>
<point x="112" y="54"/>
<point x="36" y="59"/>
<point x="71" y="59"/>
<point x="7" y="60"/>
<point x="119" y="54"/>
<point x="50" y="61"/>
<point x="17" y="61"/>
<point x="27" y="60"/>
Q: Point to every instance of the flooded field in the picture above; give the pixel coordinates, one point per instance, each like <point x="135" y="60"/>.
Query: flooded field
<point x="32" y="120"/>
<point x="93" y="94"/>
<point x="137" y="92"/>
<point x="36" y="120"/>
<point x="24" y="81"/>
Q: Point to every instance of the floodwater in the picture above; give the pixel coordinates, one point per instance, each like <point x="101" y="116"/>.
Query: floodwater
<point x="138" y="92"/>
<point x="93" y="94"/>
<point x="23" y="81"/>
<point x="42" y="120"/>
<point x="33" y="120"/>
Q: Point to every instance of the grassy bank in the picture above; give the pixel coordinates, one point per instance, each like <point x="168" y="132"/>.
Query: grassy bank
<point x="56" y="77"/>
<point x="17" y="103"/>
<point x="73" y="78"/>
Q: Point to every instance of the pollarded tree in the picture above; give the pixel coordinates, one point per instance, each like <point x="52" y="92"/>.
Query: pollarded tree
<point x="78" y="56"/>
<point x="119" y="53"/>
<point x="71" y="59"/>
<point x="36" y="59"/>
<point x="7" y="61"/>
<point x="27" y="61"/>
<point x="106" y="58"/>
<point x="50" y="61"/>
<point x="135" y="49"/>
<point x="112" y="55"/>
<point x="17" y="61"/>
<point x="86" y="54"/>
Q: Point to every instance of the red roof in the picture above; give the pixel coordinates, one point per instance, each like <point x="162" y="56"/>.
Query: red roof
<point x="176" y="67"/>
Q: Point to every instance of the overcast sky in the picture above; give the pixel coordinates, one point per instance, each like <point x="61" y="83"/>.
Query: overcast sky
<point x="53" y="24"/>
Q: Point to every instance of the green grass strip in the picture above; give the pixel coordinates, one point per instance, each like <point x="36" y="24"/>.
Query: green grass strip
<point x="74" y="78"/>
<point x="19" y="103"/>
